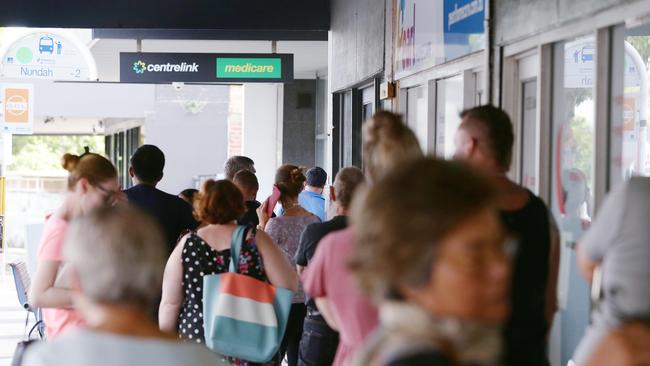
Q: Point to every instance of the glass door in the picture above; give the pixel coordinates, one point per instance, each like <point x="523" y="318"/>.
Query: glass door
<point x="416" y="114"/>
<point x="529" y="125"/>
<point x="449" y="104"/>
<point x="572" y="186"/>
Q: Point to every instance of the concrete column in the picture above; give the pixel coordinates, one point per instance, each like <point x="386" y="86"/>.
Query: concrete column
<point x="262" y="126"/>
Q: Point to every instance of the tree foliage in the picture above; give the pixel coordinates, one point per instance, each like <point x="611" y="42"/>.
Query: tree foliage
<point x="642" y="45"/>
<point x="39" y="152"/>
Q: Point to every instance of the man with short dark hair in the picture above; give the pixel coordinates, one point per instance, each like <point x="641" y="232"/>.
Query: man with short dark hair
<point x="172" y="213"/>
<point x="247" y="183"/>
<point x="345" y="184"/>
<point x="237" y="163"/>
<point x="484" y="140"/>
<point x="311" y="198"/>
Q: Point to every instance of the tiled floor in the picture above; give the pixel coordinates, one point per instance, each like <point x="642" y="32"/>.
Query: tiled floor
<point x="12" y="319"/>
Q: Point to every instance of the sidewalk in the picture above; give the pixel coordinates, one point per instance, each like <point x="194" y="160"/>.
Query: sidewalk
<point x="12" y="319"/>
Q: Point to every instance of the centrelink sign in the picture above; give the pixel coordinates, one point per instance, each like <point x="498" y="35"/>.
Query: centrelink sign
<point x="139" y="67"/>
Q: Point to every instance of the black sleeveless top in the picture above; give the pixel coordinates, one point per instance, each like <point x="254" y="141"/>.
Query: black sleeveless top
<point x="526" y="328"/>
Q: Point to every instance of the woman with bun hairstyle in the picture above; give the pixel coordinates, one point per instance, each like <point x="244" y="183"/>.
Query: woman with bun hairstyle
<point x="92" y="184"/>
<point x="285" y="230"/>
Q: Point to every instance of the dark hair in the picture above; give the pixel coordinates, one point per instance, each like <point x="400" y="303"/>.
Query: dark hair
<point x="90" y="166"/>
<point x="189" y="193"/>
<point x="289" y="179"/>
<point x="237" y="163"/>
<point x="493" y="127"/>
<point x="316" y="177"/>
<point x="220" y="202"/>
<point x="346" y="183"/>
<point x="148" y="162"/>
<point x="400" y="221"/>
<point x="246" y="180"/>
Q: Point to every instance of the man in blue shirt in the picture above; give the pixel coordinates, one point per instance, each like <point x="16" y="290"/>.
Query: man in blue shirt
<point x="311" y="198"/>
<point x="172" y="213"/>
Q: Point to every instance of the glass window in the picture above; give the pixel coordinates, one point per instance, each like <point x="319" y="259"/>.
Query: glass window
<point x="573" y="130"/>
<point x="629" y="152"/>
<point x="416" y="114"/>
<point x="479" y="88"/>
<point x="529" y="168"/>
<point x="347" y="129"/>
<point x="573" y="143"/>
<point x="449" y="103"/>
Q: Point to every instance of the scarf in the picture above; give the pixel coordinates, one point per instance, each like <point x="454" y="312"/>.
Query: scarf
<point x="408" y="329"/>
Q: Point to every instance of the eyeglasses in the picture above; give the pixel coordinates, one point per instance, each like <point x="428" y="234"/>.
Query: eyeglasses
<point x="107" y="194"/>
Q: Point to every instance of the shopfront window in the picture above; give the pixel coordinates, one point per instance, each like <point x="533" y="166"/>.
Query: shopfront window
<point x="530" y="147"/>
<point x="573" y="127"/>
<point x="416" y="114"/>
<point x="572" y="199"/>
<point x="630" y="152"/>
<point x="449" y="103"/>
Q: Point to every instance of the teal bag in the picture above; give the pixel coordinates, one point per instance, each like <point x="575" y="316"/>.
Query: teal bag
<point x="243" y="317"/>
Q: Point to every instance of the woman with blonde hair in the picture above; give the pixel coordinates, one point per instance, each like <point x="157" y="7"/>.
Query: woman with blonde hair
<point x="92" y="184"/>
<point x="387" y="144"/>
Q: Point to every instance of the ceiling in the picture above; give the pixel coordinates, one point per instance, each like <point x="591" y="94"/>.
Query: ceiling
<point x="296" y="15"/>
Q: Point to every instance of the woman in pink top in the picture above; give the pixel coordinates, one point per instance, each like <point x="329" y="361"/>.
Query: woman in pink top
<point x="92" y="183"/>
<point x="388" y="143"/>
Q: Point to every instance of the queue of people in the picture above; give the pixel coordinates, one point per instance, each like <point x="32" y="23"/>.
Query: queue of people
<point x="420" y="262"/>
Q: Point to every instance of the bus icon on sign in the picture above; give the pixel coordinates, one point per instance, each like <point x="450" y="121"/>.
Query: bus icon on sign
<point x="46" y="44"/>
<point x="587" y="54"/>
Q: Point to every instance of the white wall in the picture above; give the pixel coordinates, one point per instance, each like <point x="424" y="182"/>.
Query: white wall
<point x="91" y="99"/>
<point x="194" y="144"/>
<point x="262" y="124"/>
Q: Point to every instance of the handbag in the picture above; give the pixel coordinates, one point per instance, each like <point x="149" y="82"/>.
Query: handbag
<point x="243" y="317"/>
<point x="21" y="349"/>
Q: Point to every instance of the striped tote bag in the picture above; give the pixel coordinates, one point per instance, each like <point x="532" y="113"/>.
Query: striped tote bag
<point x="243" y="317"/>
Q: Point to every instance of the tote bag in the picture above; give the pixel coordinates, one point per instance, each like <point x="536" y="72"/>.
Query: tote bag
<point x="243" y="317"/>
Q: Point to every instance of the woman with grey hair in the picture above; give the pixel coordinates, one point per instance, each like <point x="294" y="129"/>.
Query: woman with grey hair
<point x="117" y="263"/>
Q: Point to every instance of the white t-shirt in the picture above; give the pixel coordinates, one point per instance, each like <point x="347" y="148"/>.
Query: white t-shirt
<point x="85" y="347"/>
<point x="620" y="239"/>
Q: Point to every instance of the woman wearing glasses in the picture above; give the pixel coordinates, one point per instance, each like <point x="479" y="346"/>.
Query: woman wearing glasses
<point x="92" y="184"/>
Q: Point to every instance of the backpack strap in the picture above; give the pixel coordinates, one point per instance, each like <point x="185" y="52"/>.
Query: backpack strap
<point x="235" y="247"/>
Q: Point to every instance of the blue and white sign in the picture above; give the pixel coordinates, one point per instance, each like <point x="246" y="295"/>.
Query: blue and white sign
<point x="463" y="27"/>
<point x="432" y="32"/>
<point x="579" y="63"/>
<point x="47" y="54"/>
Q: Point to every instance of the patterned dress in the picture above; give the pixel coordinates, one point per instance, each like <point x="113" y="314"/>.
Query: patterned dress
<point x="285" y="231"/>
<point x="200" y="259"/>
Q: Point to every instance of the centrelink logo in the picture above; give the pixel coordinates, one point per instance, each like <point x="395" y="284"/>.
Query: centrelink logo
<point x="140" y="67"/>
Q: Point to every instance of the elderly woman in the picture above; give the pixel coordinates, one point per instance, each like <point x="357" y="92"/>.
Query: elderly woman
<point x="430" y="252"/>
<point x="117" y="264"/>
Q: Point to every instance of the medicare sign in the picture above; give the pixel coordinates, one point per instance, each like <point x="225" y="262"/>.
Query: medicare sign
<point x="205" y="68"/>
